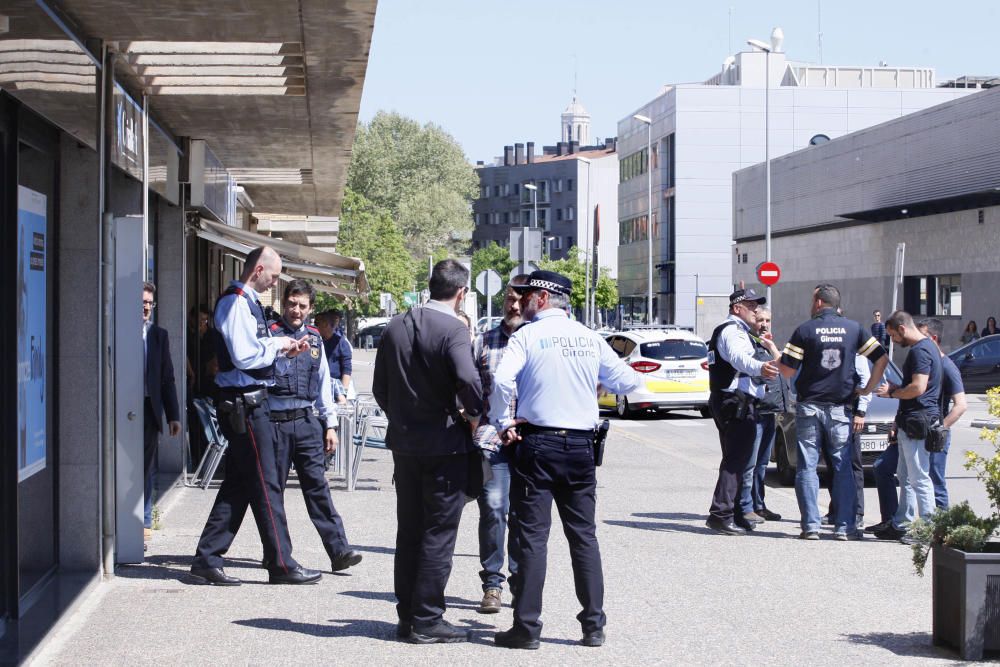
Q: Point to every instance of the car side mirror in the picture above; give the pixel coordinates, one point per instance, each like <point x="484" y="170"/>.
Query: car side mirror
<point x="968" y="356"/>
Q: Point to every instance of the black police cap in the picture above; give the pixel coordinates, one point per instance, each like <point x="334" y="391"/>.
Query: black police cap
<point x="742" y="295"/>
<point x="546" y="280"/>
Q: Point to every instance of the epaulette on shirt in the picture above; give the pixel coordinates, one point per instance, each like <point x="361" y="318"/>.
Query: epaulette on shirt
<point x="311" y="329"/>
<point x="276" y="327"/>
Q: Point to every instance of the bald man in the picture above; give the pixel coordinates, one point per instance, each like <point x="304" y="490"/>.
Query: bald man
<point x="246" y="354"/>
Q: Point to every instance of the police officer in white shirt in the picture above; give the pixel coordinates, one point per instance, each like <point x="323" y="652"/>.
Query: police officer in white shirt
<point x="556" y="364"/>
<point x="734" y="380"/>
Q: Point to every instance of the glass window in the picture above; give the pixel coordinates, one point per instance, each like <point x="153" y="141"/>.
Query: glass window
<point x="559" y="214"/>
<point x="949" y="295"/>
<point x="674" y="350"/>
<point x="569" y="184"/>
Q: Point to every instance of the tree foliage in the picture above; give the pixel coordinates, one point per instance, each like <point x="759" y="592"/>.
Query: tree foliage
<point x="367" y="232"/>
<point x="574" y="267"/>
<point x="420" y="176"/>
<point x="497" y="258"/>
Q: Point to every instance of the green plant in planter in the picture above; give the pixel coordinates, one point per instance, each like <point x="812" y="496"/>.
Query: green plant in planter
<point x="958" y="526"/>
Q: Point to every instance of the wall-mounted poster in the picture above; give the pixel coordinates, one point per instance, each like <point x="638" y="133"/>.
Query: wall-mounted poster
<point x="31" y="298"/>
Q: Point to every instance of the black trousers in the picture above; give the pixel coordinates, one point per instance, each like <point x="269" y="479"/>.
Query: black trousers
<point x="857" y="468"/>
<point x="299" y="442"/>
<point x="737" y="437"/>
<point x="430" y="496"/>
<point x="252" y="480"/>
<point x="546" y="468"/>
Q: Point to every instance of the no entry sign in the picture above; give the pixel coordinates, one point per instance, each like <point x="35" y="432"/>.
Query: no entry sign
<point x="768" y="273"/>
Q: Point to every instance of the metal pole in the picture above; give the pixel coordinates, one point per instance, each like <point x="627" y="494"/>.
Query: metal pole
<point x="106" y="342"/>
<point x="649" y="221"/>
<point x="587" y="314"/>
<point x="767" y="166"/>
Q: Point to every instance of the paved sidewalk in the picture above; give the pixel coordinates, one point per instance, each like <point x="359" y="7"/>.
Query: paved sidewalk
<point x="676" y="593"/>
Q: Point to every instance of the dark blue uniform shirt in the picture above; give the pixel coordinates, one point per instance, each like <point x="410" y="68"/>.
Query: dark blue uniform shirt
<point x="339" y="355"/>
<point x="823" y="350"/>
<point x="924" y="359"/>
<point x="951" y="383"/>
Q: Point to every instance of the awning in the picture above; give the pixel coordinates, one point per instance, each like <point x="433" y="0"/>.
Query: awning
<point x="328" y="272"/>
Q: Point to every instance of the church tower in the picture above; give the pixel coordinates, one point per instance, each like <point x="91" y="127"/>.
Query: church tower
<point x="575" y="124"/>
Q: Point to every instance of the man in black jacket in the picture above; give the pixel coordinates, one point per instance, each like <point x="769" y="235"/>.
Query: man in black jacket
<point x="161" y="396"/>
<point x="424" y="359"/>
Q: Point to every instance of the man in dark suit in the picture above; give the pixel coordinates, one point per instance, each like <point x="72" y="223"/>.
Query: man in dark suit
<point x="161" y="396"/>
<point x="424" y="359"/>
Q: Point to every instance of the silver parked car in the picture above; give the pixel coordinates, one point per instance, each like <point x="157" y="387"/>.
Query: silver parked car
<point x="874" y="438"/>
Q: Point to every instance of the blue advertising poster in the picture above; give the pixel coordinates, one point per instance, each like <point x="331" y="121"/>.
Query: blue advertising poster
<point x="31" y="298"/>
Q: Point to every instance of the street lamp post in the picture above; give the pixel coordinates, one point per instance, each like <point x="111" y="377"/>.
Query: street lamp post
<point x="524" y="234"/>
<point x="776" y="36"/>
<point x="587" y="314"/>
<point x="649" y="213"/>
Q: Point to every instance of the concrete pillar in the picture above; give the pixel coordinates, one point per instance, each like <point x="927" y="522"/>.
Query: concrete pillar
<point x="170" y="314"/>
<point x="78" y="358"/>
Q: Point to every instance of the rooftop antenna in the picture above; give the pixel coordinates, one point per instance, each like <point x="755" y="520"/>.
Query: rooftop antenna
<point x="576" y="69"/>
<point x="730" y="29"/>
<point x="819" y="28"/>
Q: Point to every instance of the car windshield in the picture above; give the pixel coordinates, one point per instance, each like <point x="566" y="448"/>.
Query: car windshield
<point x="668" y="350"/>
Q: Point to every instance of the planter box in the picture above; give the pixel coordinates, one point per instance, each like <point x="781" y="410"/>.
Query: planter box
<point x="966" y="600"/>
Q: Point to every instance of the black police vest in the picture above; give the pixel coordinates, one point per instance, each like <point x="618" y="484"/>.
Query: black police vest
<point x="720" y="371"/>
<point x="222" y="350"/>
<point x="774" y="399"/>
<point x="300" y="376"/>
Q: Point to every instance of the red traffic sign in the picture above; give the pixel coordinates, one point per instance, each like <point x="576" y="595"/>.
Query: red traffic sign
<point x="768" y="273"/>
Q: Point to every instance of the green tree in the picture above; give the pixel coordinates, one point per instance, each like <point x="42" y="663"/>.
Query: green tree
<point x="368" y="232"/>
<point x="574" y="267"/>
<point x="420" y="175"/>
<point x="497" y="258"/>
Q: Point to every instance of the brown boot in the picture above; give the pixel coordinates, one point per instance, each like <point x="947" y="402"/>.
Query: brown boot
<point x="491" y="601"/>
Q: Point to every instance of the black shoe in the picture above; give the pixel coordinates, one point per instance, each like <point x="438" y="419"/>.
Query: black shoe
<point x="594" y="638"/>
<point x="768" y="515"/>
<point x="724" y="527"/>
<point x="890" y="533"/>
<point x="344" y="560"/>
<point x="403" y="629"/>
<point x="297" y="575"/>
<point x="878" y="527"/>
<point x="441" y="632"/>
<point x="514" y="639"/>
<point x="214" y="576"/>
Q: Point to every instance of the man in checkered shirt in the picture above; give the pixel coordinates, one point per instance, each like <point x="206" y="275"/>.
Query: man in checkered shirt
<point x="494" y="502"/>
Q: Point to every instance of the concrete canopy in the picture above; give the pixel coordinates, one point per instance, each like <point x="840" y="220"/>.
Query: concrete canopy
<point x="273" y="86"/>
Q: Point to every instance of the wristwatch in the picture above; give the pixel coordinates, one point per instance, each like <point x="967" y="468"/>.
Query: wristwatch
<point x="859" y="413"/>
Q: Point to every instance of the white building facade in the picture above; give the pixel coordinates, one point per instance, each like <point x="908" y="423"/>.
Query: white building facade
<point x="702" y="133"/>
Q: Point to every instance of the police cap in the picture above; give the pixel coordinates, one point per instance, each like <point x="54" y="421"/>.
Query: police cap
<point x="741" y="295"/>
<point x="546" y="280"/>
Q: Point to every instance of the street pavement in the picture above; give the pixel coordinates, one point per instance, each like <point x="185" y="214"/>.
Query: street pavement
<point x="676" y="592"/>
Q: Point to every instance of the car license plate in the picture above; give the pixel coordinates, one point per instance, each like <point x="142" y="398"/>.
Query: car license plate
<point x="680" y="375"/>
<point x="873" y="443"/>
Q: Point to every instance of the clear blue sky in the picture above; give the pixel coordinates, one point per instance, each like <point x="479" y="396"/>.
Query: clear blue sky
<point x="495" y="72"/>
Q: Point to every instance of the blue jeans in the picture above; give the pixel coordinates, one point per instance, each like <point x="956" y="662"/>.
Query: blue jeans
<point x="752" y="484"/>
<point x="885" y="481"/>
<point x="824" y="427"/>
<point x="916" y="488"/>
<point x="494" y="506"/>
<point x="147" y="521"/>
<point x="939" y="461"/>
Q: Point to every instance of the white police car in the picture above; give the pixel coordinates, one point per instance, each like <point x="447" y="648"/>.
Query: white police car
<point x="674" y="362"/>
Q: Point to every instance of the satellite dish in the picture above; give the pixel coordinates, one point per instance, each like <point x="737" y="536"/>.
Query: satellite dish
<point x="819" y="139"/>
